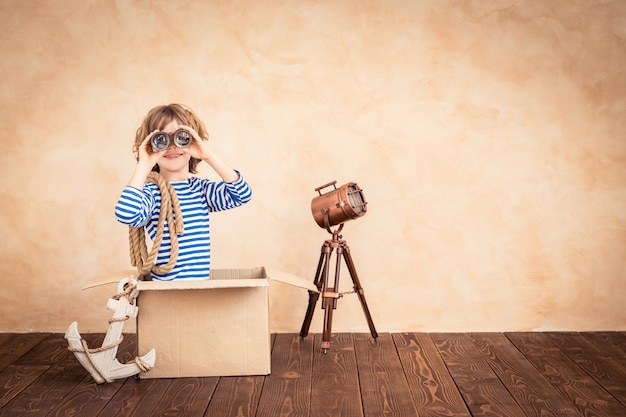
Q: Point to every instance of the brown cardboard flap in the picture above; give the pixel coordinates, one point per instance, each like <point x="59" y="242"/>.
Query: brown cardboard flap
<point x="291" y="279"/>
<point x="112" y="278"/>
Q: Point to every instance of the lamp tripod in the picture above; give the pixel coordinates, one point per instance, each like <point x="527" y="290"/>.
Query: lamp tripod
<point x="329" y="290"/>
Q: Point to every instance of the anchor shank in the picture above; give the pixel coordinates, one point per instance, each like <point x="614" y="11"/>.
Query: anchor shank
<point x="114" y="332"/>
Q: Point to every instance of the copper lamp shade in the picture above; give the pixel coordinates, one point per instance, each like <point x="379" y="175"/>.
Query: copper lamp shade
<point x="338" y="205"/>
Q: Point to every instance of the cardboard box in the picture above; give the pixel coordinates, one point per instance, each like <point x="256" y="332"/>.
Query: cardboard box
<point x="215" y="327"/>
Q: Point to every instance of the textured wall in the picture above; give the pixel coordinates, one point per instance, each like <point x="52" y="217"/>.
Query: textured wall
<point x="488" y="137"/>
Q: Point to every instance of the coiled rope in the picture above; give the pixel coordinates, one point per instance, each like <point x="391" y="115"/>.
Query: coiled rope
<point x="170" y="212"/>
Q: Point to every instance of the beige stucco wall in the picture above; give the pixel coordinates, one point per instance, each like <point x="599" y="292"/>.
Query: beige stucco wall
<point x="488" y="137"/>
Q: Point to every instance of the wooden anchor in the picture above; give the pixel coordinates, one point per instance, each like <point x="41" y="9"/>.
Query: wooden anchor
<point x="101" y="363"/>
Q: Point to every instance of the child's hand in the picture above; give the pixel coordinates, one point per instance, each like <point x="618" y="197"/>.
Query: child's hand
<point x="199" y="148"/>
<point x="145" y="153"/>
<point x="146" y="160"/>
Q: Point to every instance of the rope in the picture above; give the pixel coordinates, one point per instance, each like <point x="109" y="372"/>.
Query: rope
<point x="143" y="367"/>
<point x="170" y="212"/>
<point x="96" y="350"/>
<point x="128" y="294"/>
<point x="88" y="353"/>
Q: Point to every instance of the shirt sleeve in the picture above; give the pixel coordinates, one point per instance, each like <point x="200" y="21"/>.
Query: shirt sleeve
<point x="134" y="206"/>
<point x="227" y="195"/>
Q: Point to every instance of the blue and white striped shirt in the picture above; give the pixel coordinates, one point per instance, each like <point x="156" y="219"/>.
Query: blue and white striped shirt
<point x="198" y="197"/>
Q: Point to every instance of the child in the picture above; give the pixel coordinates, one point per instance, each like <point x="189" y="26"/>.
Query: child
<point x="140" y="202"/>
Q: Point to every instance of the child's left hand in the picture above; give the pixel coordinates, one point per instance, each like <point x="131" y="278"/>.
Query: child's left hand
<point x="199" y="148"/>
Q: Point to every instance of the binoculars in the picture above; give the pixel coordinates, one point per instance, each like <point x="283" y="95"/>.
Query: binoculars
<point x="160" y="141"/>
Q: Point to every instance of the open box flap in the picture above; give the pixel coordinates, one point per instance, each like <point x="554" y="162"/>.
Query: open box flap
<point x="220" y="278"/>
<point x="111" y="278"/>
<point x="291" y="279"/>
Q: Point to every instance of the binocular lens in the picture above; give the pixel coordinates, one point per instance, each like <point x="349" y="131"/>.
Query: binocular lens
<point x="161" y="141"/>
<point x="182" y="139"/>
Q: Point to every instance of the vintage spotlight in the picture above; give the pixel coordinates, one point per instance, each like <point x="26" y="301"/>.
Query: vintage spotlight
<point x="338" y="205"/>
<point x="331" y="209"/>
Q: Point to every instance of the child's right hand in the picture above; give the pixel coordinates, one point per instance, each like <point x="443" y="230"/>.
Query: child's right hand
<point x="145" y="153"/>
<point x="146" y="159"/>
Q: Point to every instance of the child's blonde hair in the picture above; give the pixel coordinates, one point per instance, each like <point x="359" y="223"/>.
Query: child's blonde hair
<point x="160" y="116"/>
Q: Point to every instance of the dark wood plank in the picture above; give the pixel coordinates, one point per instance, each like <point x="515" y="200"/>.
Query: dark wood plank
<point x="236" y="397"/>
<point x="433" y="390"/>
<point x="495" y="374"/>
<point x="186" y="397"/>
<point x="62" y="376"/>
<point x="53" y="350"/>
<point x="335" y="384"/>
<point x="606" y="370"/>
<point x="13" y="346"/>
<point x="136" y="397"/>
<point x="574" y="384"/>
<point x="5" y="337"/>
<point x="88" y="398"/>
<point x="384" y="388"/>
<point x="14" y="379"/>
<point x="286" y="391"/>
<point x="613" y="343"/>
<point x="481" y="388"/>
<point x="45" y="393"/>
<point x="529" y="388"/>
<point x="19" y="368"/>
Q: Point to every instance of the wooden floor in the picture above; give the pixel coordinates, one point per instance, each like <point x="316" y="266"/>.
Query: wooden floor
<point x="399" y="374"/>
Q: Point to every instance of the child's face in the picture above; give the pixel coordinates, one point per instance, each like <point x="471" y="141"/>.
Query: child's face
<point x="174" y="164"/>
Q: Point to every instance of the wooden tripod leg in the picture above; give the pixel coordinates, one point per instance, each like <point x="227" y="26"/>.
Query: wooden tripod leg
<point x="314" y="296"/>
<point x="329" y="301"/>
<point x="359" y="289"/>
